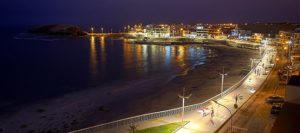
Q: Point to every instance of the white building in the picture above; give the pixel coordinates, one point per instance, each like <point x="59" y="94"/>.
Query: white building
<point x="157" y="31"/>
<point x="201" y="31"/>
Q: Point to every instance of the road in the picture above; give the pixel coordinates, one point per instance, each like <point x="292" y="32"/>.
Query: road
<point x="254" y="116"/>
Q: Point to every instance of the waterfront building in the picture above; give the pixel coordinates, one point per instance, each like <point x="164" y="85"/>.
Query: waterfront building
<point x="240" y="34"/>
<point x="228" y="27"/>
<point x="257" y="37"/>
<point x="157" y="31"/>
<point x="214" y="30"/>
<point x="180" y="30"/>
<point x="201" y="31"/>
<point x="136" y="30"/>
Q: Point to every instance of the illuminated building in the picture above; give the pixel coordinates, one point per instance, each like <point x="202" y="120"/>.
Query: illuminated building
<point x="296" y="37"/>
<point x="179" y="30"/>
<point x="214" y="31"/>
<point x="241" y="34"/>
<point x="157" y="31"/>
<point x="201" y="31"/>
<point x="284" y="37"/>
<point x="257" y="37"/>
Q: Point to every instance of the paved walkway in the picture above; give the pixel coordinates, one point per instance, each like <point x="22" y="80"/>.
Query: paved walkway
<point x="255" y="115"/>
<point x="211" y="122"/>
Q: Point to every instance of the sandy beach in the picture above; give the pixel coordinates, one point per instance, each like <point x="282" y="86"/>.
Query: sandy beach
<point x="124" y="99"/>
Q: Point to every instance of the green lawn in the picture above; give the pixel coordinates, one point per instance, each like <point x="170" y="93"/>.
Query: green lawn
<point x="168" y="128"/>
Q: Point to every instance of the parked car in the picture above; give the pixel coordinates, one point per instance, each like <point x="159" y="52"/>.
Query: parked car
<point x="276" y="108"/>
<point x="275" y="99"/>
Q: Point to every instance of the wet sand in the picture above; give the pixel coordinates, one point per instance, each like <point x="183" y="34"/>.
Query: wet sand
<point x="95" y="106"/>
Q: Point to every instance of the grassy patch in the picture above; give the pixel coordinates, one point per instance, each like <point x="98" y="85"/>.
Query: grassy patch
<point x="168" y="128"/>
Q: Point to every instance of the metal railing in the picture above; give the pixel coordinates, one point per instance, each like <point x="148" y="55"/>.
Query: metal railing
<point x="160" y="114"/>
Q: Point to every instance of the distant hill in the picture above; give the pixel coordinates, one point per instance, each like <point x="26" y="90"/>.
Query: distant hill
<point x="59" y="29"/>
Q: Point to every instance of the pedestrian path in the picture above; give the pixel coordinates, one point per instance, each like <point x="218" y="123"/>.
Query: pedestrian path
<point x="213" y="115"/>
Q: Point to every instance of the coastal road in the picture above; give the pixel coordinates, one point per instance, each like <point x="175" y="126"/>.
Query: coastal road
<point x="254" y="115"/>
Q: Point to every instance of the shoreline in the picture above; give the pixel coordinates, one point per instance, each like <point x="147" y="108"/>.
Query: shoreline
<point x="89" y="107"/>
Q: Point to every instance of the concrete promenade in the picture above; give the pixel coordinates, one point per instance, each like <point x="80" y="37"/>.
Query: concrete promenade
<point x="215" y="115"/>
<point x="209" y="123"/>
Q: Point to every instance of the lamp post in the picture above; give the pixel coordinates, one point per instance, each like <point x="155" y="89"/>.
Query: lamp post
<point x="252" y="62"/>
<point x="183" y="100"/>
<point x="92" y="29"/>
<point x="222" y="84"/>
<point x="214" y="101"/>
<point x="102" y="30"/>
<point x="260" y="51"/>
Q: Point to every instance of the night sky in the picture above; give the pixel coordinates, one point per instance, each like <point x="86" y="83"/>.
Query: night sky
<point x="116" y="13"/>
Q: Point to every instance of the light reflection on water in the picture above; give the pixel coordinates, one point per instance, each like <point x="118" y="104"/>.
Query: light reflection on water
<point x="41" y="69"/>
<point x="118" y="59"/>
<point x="94" y="60"/>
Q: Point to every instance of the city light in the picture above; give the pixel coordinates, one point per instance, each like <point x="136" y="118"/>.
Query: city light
<point x="120" y="66"/>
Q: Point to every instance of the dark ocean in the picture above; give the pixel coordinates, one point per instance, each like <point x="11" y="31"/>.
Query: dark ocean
<point x="36" y="67"/>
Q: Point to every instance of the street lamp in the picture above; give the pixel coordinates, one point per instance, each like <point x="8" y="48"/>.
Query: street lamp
<point x="102" y="30"/>
<point x="214" y="101"/>
<point x="260" y="51"/>
<point x="183" y="100"/>
<point x="222" y="84"/>
<point x="92" y="29"/>
<point x="252" y="62"/>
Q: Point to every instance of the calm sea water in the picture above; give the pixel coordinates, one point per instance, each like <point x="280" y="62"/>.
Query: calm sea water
<point x="37" y="67"/>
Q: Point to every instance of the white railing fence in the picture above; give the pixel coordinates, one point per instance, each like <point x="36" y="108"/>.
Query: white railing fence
<point x="160" y="114"/>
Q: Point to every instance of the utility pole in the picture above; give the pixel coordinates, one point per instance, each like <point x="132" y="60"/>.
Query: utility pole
<point x="183" y="100"/>
<point x="223" y="74"/>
